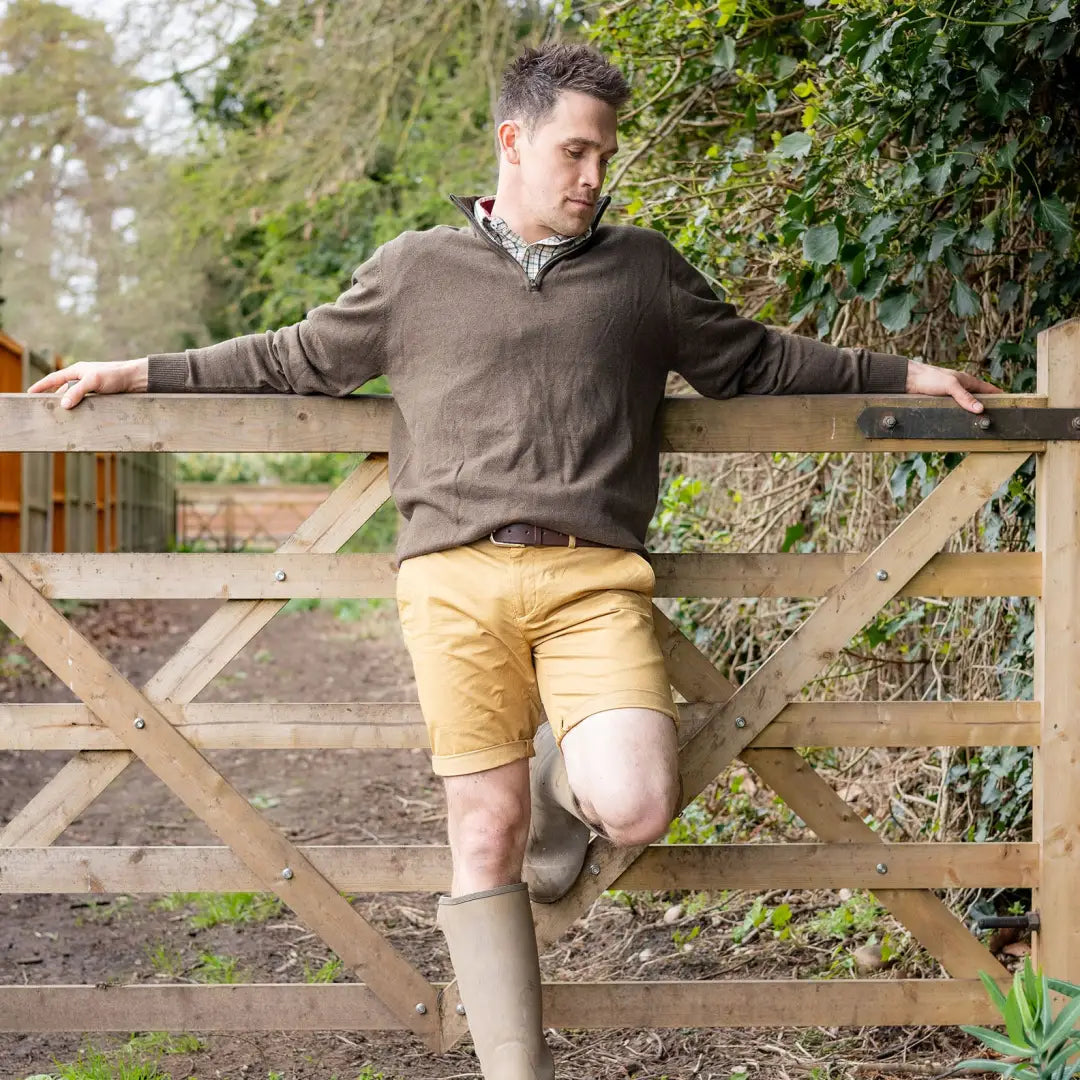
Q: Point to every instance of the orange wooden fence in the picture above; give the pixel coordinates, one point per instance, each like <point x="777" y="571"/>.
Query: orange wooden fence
<point x="87" y="502"/>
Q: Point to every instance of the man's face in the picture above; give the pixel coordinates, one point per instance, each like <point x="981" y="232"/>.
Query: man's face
<point x="562" y="164"/>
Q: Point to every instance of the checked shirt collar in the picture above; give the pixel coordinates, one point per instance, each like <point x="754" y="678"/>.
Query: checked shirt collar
<point x="532" y="257"/>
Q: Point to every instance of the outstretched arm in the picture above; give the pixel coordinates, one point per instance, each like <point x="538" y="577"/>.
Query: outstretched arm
<point x="337" y="348"/>
<point x="721" y="354"/>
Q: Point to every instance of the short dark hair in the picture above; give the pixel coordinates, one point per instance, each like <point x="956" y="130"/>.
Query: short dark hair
<point x="532" y="83"/>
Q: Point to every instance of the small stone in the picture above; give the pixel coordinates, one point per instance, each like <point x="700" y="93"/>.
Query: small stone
<point x="845" y="895"/>
<point x="868" y="958"/>
<point x="645" y="954"/>
<point x="673" y="914"/>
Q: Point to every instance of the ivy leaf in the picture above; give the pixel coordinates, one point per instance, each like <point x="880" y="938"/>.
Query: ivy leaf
<point x="964" y="301"/>
<point x="1062" y="41"/>
<point x="871" y="285"/>
<point x="992" y="35"/>
<point x="821" y="244"/>
<point x="1053" y="216"/>
<point x="894" y="311"/>
<point x="944" y="234"/>
<point x="938" y="175"/>
<point x="1008" y="294"/>
<point x="723" y="57"/>
<point x="877" y="227"/>
<point x="791" y="534"/>
<point x="988" y="78"/>
<point x="795" y="145"/>
<point x="1060" y="12"/>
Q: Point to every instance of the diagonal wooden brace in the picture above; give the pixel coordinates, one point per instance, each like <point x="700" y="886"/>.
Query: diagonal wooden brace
<point x="740" y="715"/>
<point x="278" y="864"/>
<point x="207" y="651"/>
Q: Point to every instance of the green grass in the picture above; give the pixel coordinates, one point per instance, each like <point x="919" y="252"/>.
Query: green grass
<point x="93" y="1064"/>
<point x="216" y="968"/>
<point x="324" y="974"/>
<point x="231" y="909"/>
<point x="166" y="959"/>
<point x="163" y="1042"/>
<point x="104" y="912"/>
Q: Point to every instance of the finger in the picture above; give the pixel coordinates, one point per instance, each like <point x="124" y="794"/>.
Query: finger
<point x="76" y="391"/>
<point x="976" y="385"/>
<point x="962" y="397"/>
<point x="52" y="381"/>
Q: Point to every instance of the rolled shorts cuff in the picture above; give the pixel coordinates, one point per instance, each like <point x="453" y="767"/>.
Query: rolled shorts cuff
<point x="474" y="761"/>
<point x="623" y="699"/>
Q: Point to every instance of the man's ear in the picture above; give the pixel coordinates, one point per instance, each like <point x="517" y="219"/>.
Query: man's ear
<point x="508" y="134"/>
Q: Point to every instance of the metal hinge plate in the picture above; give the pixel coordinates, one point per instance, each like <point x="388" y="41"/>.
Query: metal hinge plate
<point x="887" y="422"/>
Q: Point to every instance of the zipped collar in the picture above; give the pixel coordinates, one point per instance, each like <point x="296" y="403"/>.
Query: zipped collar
<point x="467" y="205"/>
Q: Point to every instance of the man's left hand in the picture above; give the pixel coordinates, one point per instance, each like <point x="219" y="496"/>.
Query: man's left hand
<point x="943" y="382"/>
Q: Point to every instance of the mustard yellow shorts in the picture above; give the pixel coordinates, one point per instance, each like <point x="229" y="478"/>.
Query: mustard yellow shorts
<point x="494" y="632"/>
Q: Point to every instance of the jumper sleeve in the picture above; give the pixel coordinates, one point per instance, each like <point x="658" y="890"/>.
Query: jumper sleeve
<point x="721" y="354"/>
<point x="335" y="349"/>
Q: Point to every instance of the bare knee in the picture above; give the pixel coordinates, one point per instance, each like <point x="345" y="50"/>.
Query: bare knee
<point x="639" y="817"/>
<point x="624" y="770"/>
<point x="488" y="824"/>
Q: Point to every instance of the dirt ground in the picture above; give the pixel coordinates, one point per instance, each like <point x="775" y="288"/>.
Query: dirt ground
<point x="340" y="797"/>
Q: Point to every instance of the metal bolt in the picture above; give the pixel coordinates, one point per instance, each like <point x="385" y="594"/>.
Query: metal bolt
<point x="594" y="869"/>
<point x="279" y="575"/>
<point x="888" y="421"/>
<point x="1076" y="423"/>
<point x="140" y="723"/>
<point x="287" y="873"/>
<point x="882" y="575"/>
<point x="740" y="721"/>
<point x="460" y="1010"/>
<point x="421" y="1008"/>
<point x="882" y="868"/>
<point x="983" y="423"/>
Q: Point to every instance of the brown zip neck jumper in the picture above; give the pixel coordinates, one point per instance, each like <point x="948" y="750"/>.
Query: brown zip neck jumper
<point x="520" y="401"/>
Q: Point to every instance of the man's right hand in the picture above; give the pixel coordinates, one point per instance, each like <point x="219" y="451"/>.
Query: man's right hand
<point x="108" y="377"/>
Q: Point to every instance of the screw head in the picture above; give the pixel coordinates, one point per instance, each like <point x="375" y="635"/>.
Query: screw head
<point x="740" y="721"/>
<point x="421" y="1008"/>
<point x="279" y="575"/>
<point x="460" y="1010"/>
<point x="1076" y="423"/>
<point x="140" y="723"/>
<point x="287" y="873"/>
<point x="882" y="575"/>
<point x="881" y="868"/>
<point x="594" y="869"/>
<point x="983" y="423"/>
<point x="888" y="421"/>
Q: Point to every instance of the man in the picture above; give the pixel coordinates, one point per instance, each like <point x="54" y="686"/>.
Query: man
<point x="528" y="351"/>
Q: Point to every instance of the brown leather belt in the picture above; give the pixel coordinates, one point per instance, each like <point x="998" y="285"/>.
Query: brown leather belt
<point x="520" y="534"/>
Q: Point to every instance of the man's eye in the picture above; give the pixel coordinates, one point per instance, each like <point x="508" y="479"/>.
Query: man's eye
<point x="574" y="153"/>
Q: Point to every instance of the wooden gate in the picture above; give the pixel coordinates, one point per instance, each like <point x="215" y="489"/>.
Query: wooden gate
<point x="760" y="722"/>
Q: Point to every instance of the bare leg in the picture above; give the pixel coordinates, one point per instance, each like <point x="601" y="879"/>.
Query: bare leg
<point x="488" y="822"/>
<point x="623" y="767"/>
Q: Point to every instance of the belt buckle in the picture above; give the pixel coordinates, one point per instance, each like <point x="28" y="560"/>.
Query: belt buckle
<point x="504" y="543"/>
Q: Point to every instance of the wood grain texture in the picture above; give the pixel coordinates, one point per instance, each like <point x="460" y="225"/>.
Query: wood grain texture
<point x="265" y="423"/>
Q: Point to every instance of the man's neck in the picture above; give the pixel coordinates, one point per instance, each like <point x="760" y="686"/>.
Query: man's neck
<point x="529" y="230"/>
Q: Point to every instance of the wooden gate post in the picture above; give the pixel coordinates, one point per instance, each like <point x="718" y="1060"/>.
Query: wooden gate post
<point x="1056" y="796"/>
